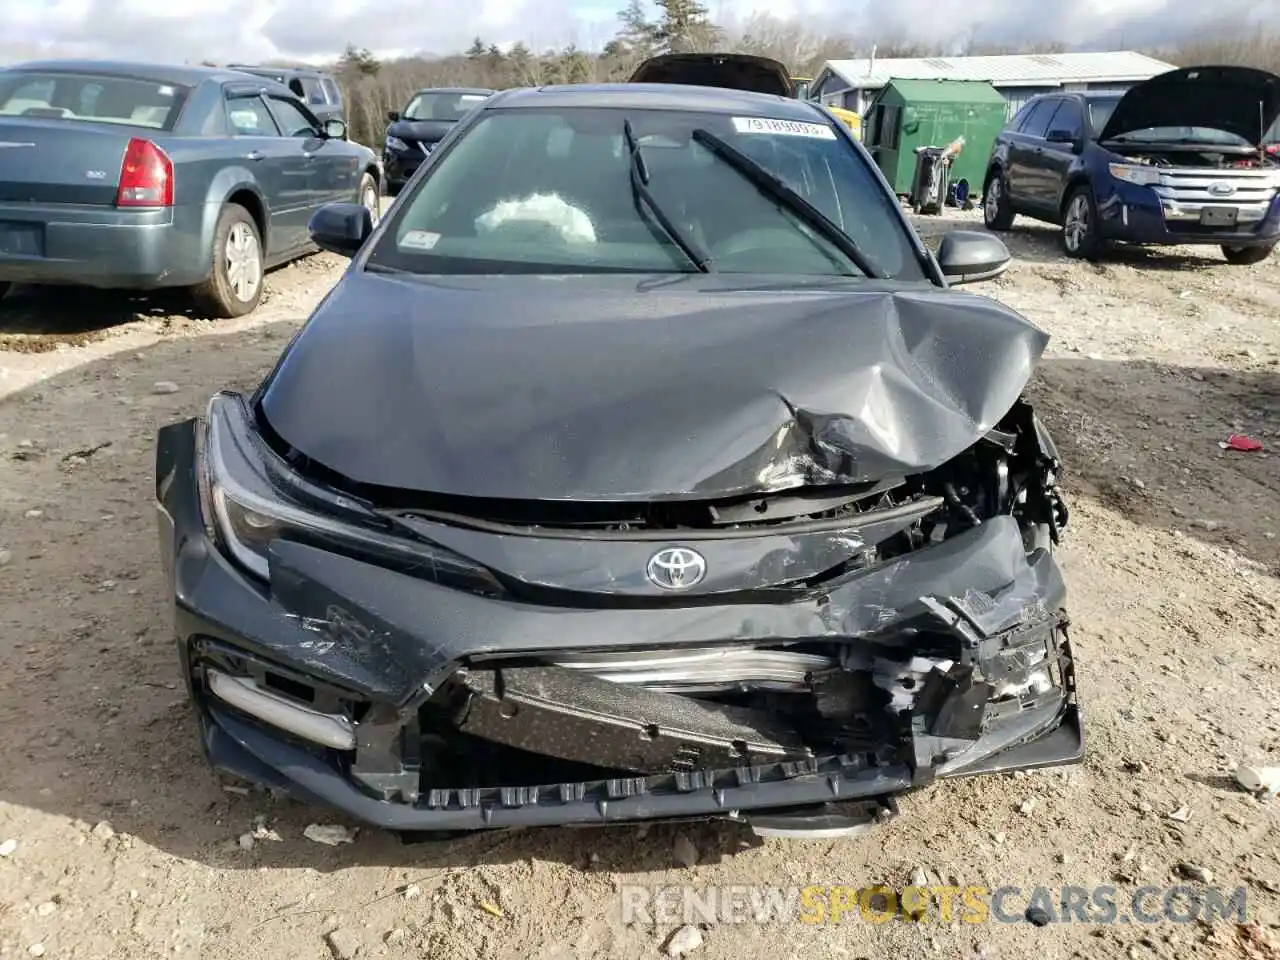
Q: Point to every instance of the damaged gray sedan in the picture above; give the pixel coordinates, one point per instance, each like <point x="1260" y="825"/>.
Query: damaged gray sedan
<point x="641" y="466"/>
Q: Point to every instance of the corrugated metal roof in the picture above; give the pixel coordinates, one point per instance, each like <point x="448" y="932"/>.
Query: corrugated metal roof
<point x="1124" y="66"/>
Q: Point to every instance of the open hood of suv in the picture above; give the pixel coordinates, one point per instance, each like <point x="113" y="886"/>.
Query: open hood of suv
<point x="1239" y="100"/>
<point x="736" y="71"/>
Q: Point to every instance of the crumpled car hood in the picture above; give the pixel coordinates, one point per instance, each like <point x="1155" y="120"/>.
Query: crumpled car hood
<point x="624" y="388"/>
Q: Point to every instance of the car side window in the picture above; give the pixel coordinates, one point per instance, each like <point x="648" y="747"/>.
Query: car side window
<point x="293" y="121"/>
<point x="1037" y="122"/>
<point x="1069" y="117"/>
<point x="331" y="90"/>
<point x="249" y="117"/>
<point x="1020" y="117"/>
<point x="313" y="92"/>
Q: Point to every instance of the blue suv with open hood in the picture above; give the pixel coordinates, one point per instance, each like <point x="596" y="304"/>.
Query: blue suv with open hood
<point x="1178" y="159"/>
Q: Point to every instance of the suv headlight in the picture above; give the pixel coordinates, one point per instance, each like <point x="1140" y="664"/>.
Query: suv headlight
<point x="1135" y="173"/>
<point x="252" y="497"/>
<point x="395" y="143"/>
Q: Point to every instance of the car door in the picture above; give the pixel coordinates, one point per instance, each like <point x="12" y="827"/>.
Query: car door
<point x="278" y="165"/>
<point x="334" y="174"/>
<point x="1061" y="148"/>
<point x="1026" y="155"/>
<point x="334" y="168"/>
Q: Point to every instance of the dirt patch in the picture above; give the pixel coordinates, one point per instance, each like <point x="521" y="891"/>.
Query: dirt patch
<point x="1172" y="562"/>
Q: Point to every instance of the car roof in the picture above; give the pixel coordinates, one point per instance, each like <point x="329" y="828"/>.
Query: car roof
<point x="658" y="96"/>
<point x="486" y="91"/>
<point x="283" y="71"/>
<point x="184" y="75"/>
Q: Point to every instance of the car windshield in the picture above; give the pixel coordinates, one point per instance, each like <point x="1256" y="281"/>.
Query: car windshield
<point x="556" y="191"/>
<point x="1100" y="112"/>
<point x="91" y="98"/>
<point x="442" y="106"/>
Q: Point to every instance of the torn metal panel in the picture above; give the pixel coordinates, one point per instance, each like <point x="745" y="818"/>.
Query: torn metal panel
<point x="421" y="630"/>
<point x="574" y="716"/>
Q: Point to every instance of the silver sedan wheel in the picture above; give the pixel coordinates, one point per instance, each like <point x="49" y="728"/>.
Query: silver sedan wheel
<point x="244" y="262"/>
<point x="372" y="201"/>
<point x="1076" y="226"/>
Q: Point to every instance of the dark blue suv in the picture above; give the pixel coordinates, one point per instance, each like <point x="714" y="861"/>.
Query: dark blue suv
<point x="1179" y="159"/>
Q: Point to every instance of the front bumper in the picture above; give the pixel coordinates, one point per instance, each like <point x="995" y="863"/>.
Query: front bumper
<point x="1130" y="213"/>
<point x="388" y="641"/>
<point x="400" y="165"/>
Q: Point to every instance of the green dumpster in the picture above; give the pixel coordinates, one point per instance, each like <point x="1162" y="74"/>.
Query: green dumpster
<point x="933" y="113"/>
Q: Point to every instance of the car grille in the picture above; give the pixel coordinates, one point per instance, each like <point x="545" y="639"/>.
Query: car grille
<point x="1184" y="193"/>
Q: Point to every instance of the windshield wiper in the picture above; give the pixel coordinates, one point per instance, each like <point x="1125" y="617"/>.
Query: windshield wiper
<point x="773" y="188"/>
<point x="641" y="196"/>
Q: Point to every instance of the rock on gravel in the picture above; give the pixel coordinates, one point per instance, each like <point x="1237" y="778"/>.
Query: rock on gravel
<point x="8" y="848"/>
<point x="685" y="940"/>
<point x="1195" y="872"/>
<point x="685" y="852"/>
<point x="165" y="386"/>
<point x="345" y="944"/>
<point x="330" y="834"/>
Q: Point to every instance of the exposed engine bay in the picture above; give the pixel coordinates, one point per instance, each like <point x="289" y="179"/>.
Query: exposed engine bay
<point x="1185" y="156"/>
<point x="924" y="690"/>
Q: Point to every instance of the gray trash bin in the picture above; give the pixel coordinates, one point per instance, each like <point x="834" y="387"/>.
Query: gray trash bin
<point x="931" y="180"/>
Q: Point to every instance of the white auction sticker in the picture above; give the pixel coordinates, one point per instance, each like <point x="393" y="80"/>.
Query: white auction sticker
<point x="419" y="240"/>
<point x="785" y="128"/>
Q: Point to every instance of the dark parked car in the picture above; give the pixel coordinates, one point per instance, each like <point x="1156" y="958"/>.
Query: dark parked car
<point x="140" y="176"/>
<point x="1178" y="159"/>
<point x="641" y="466"/>
<point x="320" y="91"/>
<point x="415" y="131"/>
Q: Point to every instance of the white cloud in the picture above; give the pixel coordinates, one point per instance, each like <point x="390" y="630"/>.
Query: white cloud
<point x="224" y="30"/>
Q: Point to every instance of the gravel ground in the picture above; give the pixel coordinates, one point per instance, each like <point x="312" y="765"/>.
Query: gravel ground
<point x="125" y="845"/>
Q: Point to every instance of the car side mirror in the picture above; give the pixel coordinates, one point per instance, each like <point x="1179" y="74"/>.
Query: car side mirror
<point x="393" y="116"/>
<point x="967" y="256"/>
<point x="1064" y="137"/>
<point x="335" y="129"/>
<point x="341" y="228"/>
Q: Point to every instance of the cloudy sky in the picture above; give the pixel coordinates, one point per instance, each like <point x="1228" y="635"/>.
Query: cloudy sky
<point x="224" y="30"/>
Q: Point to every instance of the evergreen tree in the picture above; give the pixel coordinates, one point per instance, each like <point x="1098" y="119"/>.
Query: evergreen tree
<point x="638" y="36"/>
<point x="685" y="26"/>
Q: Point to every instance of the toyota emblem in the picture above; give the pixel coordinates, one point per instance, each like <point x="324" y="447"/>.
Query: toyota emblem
<point x="676" y="568"/>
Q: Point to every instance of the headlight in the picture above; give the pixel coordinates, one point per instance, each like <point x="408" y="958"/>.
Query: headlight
<point x="395" y="143"/>
<point x="254" y="497"/>
<point x="1142" y="176"/>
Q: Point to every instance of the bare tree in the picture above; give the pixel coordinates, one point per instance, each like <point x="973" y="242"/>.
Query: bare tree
<point x="374" y="86"/>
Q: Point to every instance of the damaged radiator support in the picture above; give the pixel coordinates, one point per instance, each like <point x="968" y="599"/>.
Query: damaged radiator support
<point x="571" y="715"/>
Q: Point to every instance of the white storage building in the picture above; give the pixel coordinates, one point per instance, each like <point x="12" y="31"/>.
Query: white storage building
<point x="853" y="84"/>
